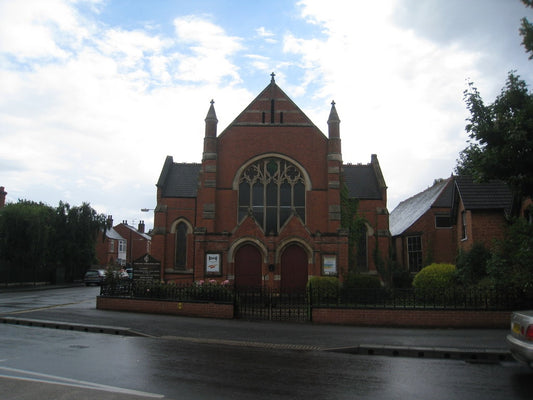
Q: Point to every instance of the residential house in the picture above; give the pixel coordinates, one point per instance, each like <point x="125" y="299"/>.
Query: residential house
<point x="138" y="242"/>
<point x="451" y="215"/>
<point x="111" y="246"/>
<point x="423" y="229"/>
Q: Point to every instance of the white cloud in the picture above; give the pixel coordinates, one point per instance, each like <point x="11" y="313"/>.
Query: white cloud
<point x="210" y="48"/>
<point x="398" y="95"/>
<point x="39" y="29"/>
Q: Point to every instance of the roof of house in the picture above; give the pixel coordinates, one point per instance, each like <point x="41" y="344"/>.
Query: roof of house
<point x="111" y="233"/>
<point x="179" y="179"/>
<point x="484" y="195"/>
<point x="410" y="210"/>
<point x="134" y="230"/>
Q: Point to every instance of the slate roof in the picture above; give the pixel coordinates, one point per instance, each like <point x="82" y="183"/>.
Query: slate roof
<point x="485" y="195"/>
<point x="410" y="210"/>
<point x="113" y="234"/>
<point x="134" y="230"/>
<point x="179" y="179"/>
<point x="362" y="182"/>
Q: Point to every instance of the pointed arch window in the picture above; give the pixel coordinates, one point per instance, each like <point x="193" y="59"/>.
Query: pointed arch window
<point x="180" y="262"/>
<point x="271" y="189"/>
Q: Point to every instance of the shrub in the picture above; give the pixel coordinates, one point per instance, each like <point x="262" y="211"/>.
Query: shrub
<point x="435" y="276"/>
<point x="472" y="264"/>
<point x="323" y="288"/>
<point x="359" y="288"/>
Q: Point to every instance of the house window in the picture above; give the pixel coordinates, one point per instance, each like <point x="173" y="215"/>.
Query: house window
<point x="271" y="190"/>
<point x="181" y="246"/>
<point x="443" y="221"/>
<point x="111" y="246"/>
<point x="414" y="253"/>
<point x="121" y="246"/>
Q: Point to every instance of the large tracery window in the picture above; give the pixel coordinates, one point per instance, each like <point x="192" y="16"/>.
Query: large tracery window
<point x="271" y="189"/>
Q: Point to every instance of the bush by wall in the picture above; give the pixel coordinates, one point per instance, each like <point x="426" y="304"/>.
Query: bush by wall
<point x="435" y="276"/>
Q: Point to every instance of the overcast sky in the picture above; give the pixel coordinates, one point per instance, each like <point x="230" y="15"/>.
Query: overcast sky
<point x="95" y="94"/>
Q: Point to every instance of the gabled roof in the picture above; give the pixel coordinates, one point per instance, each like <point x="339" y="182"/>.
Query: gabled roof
<point x="410" y="210"/>
<point x="362" y="182"/>
<point x="111" y="233"/>
<point x="179" y="179"/>
<point x="271" y="107"/>
<point x="365" y="182"/>
<point x="144" y="235"/>
<point x="484" y="195"/>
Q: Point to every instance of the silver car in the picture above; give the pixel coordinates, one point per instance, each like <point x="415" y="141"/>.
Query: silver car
<point x="520" y="340"/>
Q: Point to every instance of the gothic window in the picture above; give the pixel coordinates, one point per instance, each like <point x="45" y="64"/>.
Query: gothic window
<point x="271" y="189"/>
<point x="181" y="246"/>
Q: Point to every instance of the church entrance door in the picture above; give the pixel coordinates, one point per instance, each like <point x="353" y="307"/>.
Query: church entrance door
<point x="247" y="267"/>
<point x="294" y="269"/>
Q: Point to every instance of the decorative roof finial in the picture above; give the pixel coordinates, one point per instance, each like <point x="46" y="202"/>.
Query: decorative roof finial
<point x="332" y="102"/>
<point x="272" y="75"/>
<point x="212" y="101"/>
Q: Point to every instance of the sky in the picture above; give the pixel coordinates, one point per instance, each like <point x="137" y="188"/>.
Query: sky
<point x="94" y="94"/>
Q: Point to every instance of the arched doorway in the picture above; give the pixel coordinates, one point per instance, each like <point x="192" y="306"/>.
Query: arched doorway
<point x="293" y="269"/>
<point x="248" y="267"/>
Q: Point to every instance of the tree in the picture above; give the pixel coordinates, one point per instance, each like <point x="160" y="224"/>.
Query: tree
<point x="501" y="134"/>
<point x="37" y="241"/>
<point x="526" y="31"/>
<point x="501" y="137"/>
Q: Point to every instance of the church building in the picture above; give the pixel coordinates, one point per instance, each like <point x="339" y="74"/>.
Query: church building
<point x="263" y="207"/>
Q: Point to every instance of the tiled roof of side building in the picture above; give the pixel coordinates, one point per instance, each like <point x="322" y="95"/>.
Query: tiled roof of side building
<point x="484" y="195"/>
<point x="362" y="182"/>
<point x="409" y="211"/>
<point x="179" y="179"/>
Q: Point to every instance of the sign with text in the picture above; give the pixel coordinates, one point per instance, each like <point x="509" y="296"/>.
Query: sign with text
<point x="329" y="264"/>
<point x="213" y="263"/>
<point x="146" y="269"/>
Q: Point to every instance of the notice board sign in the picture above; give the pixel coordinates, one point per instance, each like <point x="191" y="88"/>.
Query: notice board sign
<point x="146" y="269"/>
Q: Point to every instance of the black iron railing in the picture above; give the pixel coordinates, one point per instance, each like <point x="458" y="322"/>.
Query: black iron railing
<point x="275" y="304"/>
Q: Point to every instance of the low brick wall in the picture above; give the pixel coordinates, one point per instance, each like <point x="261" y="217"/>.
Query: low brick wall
<point x="199" y="309"/>
<point x="412" y="318"/>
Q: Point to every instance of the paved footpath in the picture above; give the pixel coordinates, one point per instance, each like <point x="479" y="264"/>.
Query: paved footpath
<point x="470" y="344"/>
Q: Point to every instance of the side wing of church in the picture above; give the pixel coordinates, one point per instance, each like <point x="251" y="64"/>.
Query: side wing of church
<point x="263" y="208"/>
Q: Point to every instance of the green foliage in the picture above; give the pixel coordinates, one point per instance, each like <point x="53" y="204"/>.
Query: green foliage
<point x="526" y="31"/>
<point x="435" y="276"/>
<point x="472" y="265"/>
<point x="501" y="137"/>
<point x="36" y="240"/>
<point x="323" y="288"/>
<point x="355" y="281"/>
<point x="354" y="223"/>
<point x="511" y="265"/>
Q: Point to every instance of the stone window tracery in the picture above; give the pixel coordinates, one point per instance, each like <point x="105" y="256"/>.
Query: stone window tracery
<point x="271" y="189"/>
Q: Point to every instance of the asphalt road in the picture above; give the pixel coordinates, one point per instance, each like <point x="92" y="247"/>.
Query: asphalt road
<point x="188" y="358"/>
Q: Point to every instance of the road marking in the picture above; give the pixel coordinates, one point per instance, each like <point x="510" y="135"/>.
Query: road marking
<point x="241" y="343"/>
<point x="28" y="310"/>
<point x="58" y="380"/>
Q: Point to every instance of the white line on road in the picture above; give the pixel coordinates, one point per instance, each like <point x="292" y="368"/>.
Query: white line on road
<point x="58" y="380"/>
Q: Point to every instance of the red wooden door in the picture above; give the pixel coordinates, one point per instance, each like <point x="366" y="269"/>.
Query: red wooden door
<point x="294" y="269"/>
<point x="248" y="267"/>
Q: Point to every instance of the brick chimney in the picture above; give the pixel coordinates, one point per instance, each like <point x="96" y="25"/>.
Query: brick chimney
<point x="109" y="221"/>
<point x="2" y="197"/>
<point x="141" y="226"/>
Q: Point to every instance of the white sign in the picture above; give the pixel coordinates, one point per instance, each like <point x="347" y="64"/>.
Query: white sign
<point x="212" y="263"/>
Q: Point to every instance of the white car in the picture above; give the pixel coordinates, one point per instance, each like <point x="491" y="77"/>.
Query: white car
<point x="520" y="340"/>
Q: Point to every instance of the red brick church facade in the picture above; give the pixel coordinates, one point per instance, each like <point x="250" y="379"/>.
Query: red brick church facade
<point x="263" y="208"/>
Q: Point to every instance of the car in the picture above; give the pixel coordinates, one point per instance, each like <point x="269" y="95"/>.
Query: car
<point x="94" y="277"/>
<point x="520" y="340"/>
